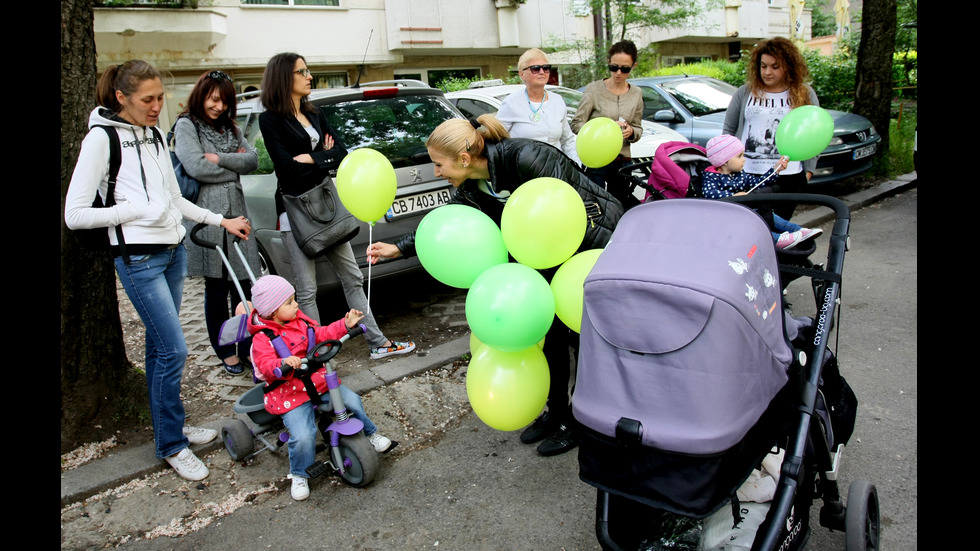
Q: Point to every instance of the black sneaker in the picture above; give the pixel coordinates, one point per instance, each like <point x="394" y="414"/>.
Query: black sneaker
<point x="541" y="428"/>
<point x="236" y="369"/>
<point x="565" y="439"/>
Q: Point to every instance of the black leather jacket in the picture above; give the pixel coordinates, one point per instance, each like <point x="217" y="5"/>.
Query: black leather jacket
<point x="512" y="162"/>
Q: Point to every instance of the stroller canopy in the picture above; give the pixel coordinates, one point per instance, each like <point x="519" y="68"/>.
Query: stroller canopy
<point x="682" y="327"/>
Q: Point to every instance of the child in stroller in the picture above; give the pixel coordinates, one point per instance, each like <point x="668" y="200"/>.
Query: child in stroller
<point x="275" y="313"/>
<point x="725" y="178"/>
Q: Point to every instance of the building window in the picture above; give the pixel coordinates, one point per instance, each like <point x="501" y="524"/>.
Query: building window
<point x="329" y="80"/>
<point x="334" y="3"/>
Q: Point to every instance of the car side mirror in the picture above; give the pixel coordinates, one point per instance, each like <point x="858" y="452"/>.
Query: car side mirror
<point x="665" y="115"/>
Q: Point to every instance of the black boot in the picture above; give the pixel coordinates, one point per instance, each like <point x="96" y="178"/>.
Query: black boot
<point x="565" y="439"/>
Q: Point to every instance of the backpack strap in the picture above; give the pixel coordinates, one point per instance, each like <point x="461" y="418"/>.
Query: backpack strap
<point x="115" y="161"/>
<point x="283" y="352"/>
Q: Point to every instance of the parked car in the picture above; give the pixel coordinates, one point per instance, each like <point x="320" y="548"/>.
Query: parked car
<point x="481" y="98"/>
<point x="393" y="117"/>
<point x="695" y="106"/>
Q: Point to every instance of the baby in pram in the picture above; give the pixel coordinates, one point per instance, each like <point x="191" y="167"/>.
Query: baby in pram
<point x="725" y="178"/>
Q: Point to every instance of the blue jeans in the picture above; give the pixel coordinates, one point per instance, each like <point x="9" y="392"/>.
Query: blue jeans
<point x="342" y="259"/>
<point x="155" y="284"/>
<point x="301" y="424"/>
<point x="782" y="225"/>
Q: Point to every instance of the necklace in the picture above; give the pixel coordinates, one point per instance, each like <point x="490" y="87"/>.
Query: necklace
<point x="535" y="113"/>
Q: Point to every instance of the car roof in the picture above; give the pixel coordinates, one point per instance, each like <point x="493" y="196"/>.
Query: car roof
<point x="669" y="78"/>
<point x="502" y="90"/>
<point x="252" y="101"/>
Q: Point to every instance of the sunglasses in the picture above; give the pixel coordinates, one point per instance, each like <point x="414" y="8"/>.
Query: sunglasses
<point x="624" y="68"/>
<point x="304" y="72"/>
<point x="539" y="68"/>
<point x="218" y="75"/>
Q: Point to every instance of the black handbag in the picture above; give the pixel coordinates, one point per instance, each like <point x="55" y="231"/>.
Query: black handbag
<point x="318" y="219"/>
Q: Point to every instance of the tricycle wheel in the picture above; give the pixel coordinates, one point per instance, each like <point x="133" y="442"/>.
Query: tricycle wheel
<point x="360" y="460"/>
<point x="861" y="521"/>
<point x="238" y="439"/>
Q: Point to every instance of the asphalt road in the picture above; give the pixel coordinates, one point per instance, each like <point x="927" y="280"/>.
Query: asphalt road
<point x="476" y="488"/>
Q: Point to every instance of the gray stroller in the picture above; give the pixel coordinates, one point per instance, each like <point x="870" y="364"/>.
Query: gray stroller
<point x="692" y="372"/>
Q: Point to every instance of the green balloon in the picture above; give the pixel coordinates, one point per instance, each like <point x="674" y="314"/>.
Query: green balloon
<point x="543" y="222"/>
<point x="366" y="184"/>
<point x="507" y="390"/>
<point x="510" y="307"/>
<point x="567" y="286"/>
<point x="456" y="243"/>
<point x="804" y="132"/>
<point x="599" y="141"/>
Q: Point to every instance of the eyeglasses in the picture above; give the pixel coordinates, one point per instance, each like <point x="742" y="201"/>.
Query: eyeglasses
<point x="218" y="75"/>
<point x="624" y="68"/>
<point x="538" y="68"/>
<point x="304" y="72"/>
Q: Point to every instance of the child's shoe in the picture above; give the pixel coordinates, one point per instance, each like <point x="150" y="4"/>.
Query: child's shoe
<point x="382" y="444"/>
<point x="808" y="233"/>
<point x="197" y="435"/>
<point x="788" y="240"/>
<point x="300" y="489"/>
<point x="395" y="348"/>
<point x="188" y="465"/>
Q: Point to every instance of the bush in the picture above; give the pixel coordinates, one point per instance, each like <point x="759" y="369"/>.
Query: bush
<point x="453" y="84"/>
<point x="732" y="73"/>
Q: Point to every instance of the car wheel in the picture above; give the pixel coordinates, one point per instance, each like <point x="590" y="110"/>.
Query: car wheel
<point x="265" y="265"/>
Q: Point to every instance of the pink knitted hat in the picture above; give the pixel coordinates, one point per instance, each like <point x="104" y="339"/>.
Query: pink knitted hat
<point x="722" y="148"/>
<point x="269" y="293"/>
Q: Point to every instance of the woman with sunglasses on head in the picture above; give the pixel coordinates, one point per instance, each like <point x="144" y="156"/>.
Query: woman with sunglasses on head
<point x="533" y="112"/>
<point x="616" y="99"/>
<point x="776" y="83"/>
<point x="145" y="234"/>
<point x="304" y="150"/>
<point x="213" y="151"/>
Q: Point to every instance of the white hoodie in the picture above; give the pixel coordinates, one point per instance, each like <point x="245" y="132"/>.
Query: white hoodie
<point x="149" y="212"/>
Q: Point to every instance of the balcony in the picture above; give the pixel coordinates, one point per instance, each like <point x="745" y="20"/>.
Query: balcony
<point x="146" y="31"/>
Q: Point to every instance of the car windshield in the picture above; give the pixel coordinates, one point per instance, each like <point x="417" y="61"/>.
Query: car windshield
<point x="395" y="126"/>
<point x="701" y="97"/>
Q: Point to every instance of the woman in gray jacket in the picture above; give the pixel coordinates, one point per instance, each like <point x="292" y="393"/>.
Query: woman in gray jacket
<point x="214" y="152"/>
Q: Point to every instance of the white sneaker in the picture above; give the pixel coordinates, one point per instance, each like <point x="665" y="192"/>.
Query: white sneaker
<point x="197" y="435"/>
<point x="381" y="443"/>
<point x="188" y="465"/>
<point x="300" y="489"/>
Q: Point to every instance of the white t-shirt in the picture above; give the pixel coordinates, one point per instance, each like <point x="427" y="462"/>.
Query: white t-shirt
<point x="762" y="117"/>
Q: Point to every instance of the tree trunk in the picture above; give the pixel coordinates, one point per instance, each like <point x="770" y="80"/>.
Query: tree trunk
<point x="873" y="93"/>
<point x="94" y="366"/>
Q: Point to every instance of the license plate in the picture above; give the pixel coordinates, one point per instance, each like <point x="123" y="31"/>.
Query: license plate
<point x="865" y="151"/>
<point x="420" y="202"/>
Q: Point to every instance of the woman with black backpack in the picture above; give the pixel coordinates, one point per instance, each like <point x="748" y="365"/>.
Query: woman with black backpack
<point x="143" y="216"/>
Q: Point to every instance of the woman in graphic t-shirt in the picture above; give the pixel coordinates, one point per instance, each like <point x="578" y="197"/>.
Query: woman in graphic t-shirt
<point x="776" y="83"/>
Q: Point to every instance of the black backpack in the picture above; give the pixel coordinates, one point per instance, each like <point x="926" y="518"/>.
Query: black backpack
<point x="96" y="238"/>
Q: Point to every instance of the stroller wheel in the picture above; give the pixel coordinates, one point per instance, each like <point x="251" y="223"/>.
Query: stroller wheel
<point x="237" y="439"/>
<point x="360" y="460"/>
<point x="861" y="521"/>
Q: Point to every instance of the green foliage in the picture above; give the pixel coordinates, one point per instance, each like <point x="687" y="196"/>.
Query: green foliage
<point x="833" y="78"/>
<point x="452" y="84"/>
<point x="901" y="140"/>
<point x="823" y="22"/>
<point x="265" y="161"/>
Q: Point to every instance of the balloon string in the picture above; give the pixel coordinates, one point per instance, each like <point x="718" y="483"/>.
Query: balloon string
<point x="370" y="240"/>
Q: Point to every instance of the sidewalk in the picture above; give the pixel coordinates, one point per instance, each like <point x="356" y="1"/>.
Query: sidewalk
<point x="120" y="468"/>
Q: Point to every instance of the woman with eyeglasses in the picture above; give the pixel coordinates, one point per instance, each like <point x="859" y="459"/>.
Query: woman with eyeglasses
<point x="533" y="112"/>
<point x="213" y="151"/>
<point x="616" y="99"/>
<point x="304" y="150"/>
<point x="143" y="223"/>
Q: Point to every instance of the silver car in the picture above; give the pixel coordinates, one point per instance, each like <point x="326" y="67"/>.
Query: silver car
<point x="393" y="117"/>
<point x="480" y="99"/>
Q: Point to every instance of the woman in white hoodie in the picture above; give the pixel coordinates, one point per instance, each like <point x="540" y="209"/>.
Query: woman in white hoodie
<point x="143" y="221"/>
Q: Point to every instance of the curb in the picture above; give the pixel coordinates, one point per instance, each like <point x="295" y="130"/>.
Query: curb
<point x="117" y="469"/>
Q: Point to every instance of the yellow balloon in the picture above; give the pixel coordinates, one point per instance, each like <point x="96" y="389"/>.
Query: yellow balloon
<point x="366" y="184"/>
<point x="567" y="286"/>
<point x="599" y="141"/>
<point x="508" y="390"/>
<point x="543" y="222"/>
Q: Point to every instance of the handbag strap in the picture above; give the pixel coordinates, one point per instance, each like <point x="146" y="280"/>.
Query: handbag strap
<point x="115" y="161"/>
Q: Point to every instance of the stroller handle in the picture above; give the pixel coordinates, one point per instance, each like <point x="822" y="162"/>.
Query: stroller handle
<point x="201" y="242"/>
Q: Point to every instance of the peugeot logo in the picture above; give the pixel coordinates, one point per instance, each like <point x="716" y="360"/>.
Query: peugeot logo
<point x="416" y="175"/>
